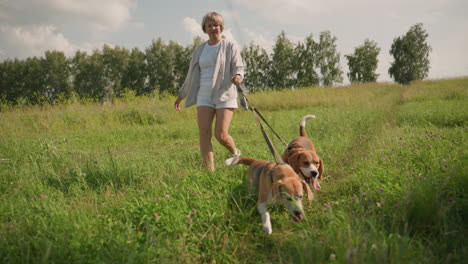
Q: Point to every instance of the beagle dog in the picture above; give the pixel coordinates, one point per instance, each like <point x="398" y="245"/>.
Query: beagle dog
<point x="274" y="184"/>
<point x="301" y="155"/>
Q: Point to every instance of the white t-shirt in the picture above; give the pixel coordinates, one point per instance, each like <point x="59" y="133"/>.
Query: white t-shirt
<point x="207" y="64"/>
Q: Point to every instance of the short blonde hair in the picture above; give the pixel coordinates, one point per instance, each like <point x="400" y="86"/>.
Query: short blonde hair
<point x="213" y="16"/>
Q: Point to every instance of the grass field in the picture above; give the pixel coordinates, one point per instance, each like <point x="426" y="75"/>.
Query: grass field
<point x="123" y="182"/>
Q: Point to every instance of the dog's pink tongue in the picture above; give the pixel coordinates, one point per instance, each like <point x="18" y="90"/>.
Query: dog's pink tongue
<point x="297" y="218"/>
<point x="316" y="185"/>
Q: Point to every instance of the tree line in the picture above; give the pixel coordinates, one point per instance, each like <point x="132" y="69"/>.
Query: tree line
<point x="161" y="68"/>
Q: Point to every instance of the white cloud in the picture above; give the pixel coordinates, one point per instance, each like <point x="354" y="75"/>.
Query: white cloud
<point x="259" y="39"/>
<point x="229" y="14"/>
<point x="34" y="41"/>
<point x="193" y="27"/>
<point x="299" y="11"/>
<point x="302" y="11"/>
<point x="103" y="15"/>
<point x="22" y="42"/>
<point x="29" y="28"/>
<point x="227" y="33"/>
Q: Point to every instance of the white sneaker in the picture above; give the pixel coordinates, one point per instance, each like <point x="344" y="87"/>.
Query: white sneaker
<point x="233" y="161"/>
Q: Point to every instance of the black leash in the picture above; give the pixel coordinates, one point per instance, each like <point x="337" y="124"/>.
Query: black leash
<point x="273" y="151"/>
<point x="245" y="104"/>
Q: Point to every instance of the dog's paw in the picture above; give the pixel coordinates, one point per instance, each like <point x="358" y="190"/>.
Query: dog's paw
<point x="232" y="161"/>
<point x="267" y="229"/>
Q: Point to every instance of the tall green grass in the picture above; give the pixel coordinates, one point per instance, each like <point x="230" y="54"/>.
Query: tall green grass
<point x="123" y="182"/>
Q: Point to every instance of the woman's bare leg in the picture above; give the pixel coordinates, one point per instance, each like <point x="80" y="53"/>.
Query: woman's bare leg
<point x="205" y="117"/>
<point x="223" y="120"/>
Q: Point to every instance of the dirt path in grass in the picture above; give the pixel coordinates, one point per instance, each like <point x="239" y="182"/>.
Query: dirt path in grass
<point x="348" y="161"/>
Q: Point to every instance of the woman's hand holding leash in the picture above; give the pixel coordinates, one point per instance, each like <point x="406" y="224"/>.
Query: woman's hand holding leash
<point x="177" y="103"/>
<point x="236" y="79"/>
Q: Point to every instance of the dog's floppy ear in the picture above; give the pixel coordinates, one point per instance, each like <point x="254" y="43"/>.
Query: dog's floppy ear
<point x="320" y="169"/>
<point x="307" y="189"/>
<point x="293" y="161"/>
<point x="276" y="190"/>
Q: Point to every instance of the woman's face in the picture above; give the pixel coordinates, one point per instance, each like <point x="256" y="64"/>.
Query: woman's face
<point x="213" y="29"/>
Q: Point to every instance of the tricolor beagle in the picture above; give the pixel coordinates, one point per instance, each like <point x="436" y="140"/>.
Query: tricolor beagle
<point x="274" y="183"/>
<point x="301" y="155"/>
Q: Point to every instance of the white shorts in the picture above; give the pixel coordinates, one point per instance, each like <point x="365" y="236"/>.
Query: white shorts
<point x="206" y="101"/>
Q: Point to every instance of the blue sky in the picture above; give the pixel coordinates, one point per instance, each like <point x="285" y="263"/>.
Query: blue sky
<point x="30" y="27"/>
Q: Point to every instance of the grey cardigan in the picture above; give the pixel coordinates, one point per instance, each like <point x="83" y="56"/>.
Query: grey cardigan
<point x="228" y="64"/>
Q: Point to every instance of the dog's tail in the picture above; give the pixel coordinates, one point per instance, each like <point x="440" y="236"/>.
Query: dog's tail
<point x="239" y="160"/>
<point x="302" y="130"/>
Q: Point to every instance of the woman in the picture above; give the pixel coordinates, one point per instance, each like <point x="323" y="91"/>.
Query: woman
<point x="215" y="67"/>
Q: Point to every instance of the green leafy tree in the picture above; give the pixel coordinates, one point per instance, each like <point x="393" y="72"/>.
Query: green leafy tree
<point x="257" y="68"/>
<point x="114" y="62"/>
<point x="181" y="63"/>
<point x="12" y="85"/>
<point x="181" y="66"/>
<point x="328" y="60"/>
<point x="154" y="65"/>
<point x="196" y="41"/>
<point x="363" y="62"/>
<point x="306" y="62"/>
<point x="157" y="66"/>
<point x="177" y="61"/>
<point x="134" y="75"/>
<point x="89" y="75"/>
<point x="167" y="65"/>
<point x="411" y="54"/>
<point x="282" y="63"/>
<point x="34" y="81"/>
<point x="57" y="75"/>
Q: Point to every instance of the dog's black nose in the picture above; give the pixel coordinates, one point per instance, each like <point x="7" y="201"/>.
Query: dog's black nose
<point x="297" y="216"/>
<point x="314" y="173"/>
